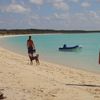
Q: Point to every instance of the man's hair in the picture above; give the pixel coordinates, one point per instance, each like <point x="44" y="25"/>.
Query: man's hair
<point x="29" y="37"/>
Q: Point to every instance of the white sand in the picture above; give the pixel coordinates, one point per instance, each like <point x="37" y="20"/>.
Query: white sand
<point x="21" y="81"/>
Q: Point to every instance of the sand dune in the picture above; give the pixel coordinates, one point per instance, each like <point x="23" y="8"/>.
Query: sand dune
<point x="21" y="81"/>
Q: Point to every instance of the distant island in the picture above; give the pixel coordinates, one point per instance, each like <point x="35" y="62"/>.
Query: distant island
<point x="42" y="31"/>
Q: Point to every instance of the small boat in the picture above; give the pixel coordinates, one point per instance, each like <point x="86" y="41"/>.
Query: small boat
<point x="65" y="48"/>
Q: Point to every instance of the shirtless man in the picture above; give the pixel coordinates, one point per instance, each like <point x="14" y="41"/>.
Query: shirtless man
<point x="31" y="50"/>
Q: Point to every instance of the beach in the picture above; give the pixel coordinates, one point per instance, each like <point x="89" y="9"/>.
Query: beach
<point x="21" y="81"/>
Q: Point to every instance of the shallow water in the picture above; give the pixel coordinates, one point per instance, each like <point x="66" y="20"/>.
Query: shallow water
<point x="47" y="46"/>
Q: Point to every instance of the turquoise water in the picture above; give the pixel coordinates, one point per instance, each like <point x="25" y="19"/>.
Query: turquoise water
<point x="47" y="46"/>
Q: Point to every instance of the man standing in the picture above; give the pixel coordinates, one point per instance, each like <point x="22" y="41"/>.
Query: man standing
<point x="31" y="50"/>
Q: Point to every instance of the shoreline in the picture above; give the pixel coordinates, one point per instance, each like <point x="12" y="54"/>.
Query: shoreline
<point x="55" y="63"/>
<point x="20" y="80"/>
<point x="86" y="70"/>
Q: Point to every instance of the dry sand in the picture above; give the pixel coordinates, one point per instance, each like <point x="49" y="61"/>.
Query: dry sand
<point x="21" y="81"/>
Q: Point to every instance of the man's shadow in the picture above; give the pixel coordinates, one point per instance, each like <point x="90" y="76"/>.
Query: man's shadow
<point x="85" y="85"/>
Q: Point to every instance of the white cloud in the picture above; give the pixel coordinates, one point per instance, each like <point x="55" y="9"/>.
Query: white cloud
<point x="62" y="16"/>
<point x="55" y="16"/>
<point x="85" y="4"/>
<point x="93" y="14"/>
<point x="93" y="17"/>
<point x="14" y="8"/>
<point x="37" y="2"/>
<point x="30" y="20"/>
<point x="60" y="4"/>
<point x="34" y="17"/>
<point x="74" y="21"/>
<point x="81" y="17"/>
<point x="89" y="17"/>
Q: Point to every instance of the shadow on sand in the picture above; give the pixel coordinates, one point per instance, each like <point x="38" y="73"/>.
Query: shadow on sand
<point x="85" y="85"/>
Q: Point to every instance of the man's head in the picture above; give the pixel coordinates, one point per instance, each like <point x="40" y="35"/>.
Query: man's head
<point x="30" y="37"/>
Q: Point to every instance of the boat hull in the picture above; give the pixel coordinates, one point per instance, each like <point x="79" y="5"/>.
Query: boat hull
<point x="69" y="48"/>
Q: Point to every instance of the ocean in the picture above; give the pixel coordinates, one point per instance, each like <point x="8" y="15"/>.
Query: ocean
<point x="47" y="46"/>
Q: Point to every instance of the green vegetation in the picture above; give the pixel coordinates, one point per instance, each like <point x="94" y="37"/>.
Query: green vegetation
<point x="41" y="31"/>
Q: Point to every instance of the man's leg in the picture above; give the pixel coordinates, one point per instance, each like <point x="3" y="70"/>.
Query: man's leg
<point x="31" y="58"/>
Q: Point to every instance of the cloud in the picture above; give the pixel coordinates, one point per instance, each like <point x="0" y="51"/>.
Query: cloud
<point x="93" y="18"/>
<point x="14" y="8"/>
<point x="53" y="16"/>
<point x="30" y="20"/>
<point x="60" y="4"/>
<point x="62" y="16"/>
<point x="93" y="14"/>
<point x="37" y="2"/>
<point x="85" y="4"/>
<point x="89" y="20"/>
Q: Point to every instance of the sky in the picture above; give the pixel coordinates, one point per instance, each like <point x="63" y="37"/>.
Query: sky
<point x="50" y="14"/>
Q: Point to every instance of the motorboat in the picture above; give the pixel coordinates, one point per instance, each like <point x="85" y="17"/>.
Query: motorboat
<point x="71" y="48"/>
